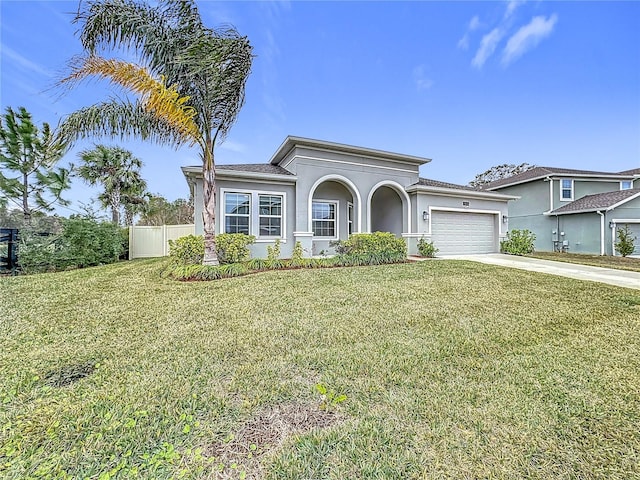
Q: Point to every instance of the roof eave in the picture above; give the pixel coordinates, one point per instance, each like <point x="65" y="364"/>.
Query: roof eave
<point x="460" y="192"/>
<point x="196" y="172"/>
<point x="553" y="176"/>
<point x="291" y="142"/>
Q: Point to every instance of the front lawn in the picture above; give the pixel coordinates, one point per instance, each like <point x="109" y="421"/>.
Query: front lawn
<point x="606" y="261"/>
<point x="450" y="369"/>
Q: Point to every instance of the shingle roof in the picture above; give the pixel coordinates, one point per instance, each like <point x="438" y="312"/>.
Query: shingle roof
<point x="256" y="168"/>
<point x="598" y="201"/>
<point x="540" y="172"/>
<point x="436" y="183"/>
<point x="633" y="171"/>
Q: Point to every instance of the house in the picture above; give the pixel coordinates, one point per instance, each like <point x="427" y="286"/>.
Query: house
<point x="573" y="210"/>
<point x="315" y="192"/>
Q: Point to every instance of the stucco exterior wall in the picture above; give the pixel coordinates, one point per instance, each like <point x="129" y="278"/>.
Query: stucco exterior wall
<point x="582" y="231"/>
<point x="583" y="187"/>
<point x="361" y="179"/>
<point x="259" y="249"/>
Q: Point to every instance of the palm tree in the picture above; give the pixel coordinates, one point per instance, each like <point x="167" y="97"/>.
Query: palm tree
<point x="190" y="82"/>
<point x="118" y="172"/>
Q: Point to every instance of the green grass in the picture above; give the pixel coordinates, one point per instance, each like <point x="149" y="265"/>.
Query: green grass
<point x="606" y="261"/>
<point x="451" y="370"/>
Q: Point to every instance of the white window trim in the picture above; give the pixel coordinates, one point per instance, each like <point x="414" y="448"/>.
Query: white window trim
<point x="224" y="213"/>
<point x="254" y="213"/>
<point x="281" y="216"/>
<point x="572" y="190"/>
<point x="337" y="219"/>
<point x="350" y="220"/>
<point x="630" y="182"/>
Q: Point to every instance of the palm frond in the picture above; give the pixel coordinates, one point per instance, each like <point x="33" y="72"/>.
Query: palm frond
<point x="116" y="119"/>
<point x="156" y="97"/>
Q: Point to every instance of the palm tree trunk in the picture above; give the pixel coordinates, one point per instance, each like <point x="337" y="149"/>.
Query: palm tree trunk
<point x="209" y="212"/>
<point x="115" y="207"/>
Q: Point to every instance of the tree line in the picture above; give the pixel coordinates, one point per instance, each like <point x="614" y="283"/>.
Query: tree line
<point x="31" y="184"/>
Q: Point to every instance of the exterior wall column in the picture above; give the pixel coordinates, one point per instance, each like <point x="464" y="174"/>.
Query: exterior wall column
<point x="306" y="241"/>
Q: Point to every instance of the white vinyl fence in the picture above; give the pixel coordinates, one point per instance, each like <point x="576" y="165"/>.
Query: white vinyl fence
<point x="147" y="242"/>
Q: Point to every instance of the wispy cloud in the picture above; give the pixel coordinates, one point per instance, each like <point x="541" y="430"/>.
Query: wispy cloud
<point x="24" y="63"/>
<point x="272" y="14"/>
<point x="488" y="45"/>
<point x="233" y="146"/>
<point x="421" y="79"/>
<point x="474" y="23"/>
<point x="528" y="37"/>
<point x="512" y="6"/>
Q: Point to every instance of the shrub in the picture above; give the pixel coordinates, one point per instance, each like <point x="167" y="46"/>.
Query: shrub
<point x="297" y="258"/>
<point x="427" y="249"/>
<point x="372" y="244"/>
<point x="187" y="250"/>
<point x="625" y="244"/>
<point x="273" y="252"/>
<point x="233" y="247"/>
<point x="83" y="242"/>
<point x="518" y="242"/>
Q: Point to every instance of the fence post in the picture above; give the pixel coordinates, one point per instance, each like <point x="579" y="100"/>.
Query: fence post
<point x="131" y="241"/>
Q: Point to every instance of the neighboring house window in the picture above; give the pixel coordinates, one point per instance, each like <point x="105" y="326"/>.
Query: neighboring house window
<point x="236" y="212"/>
<point x="626" y="185"/>
<point x="270" y="215"/>
<point x="566" y="192"/>
<point x="323" y="215"/>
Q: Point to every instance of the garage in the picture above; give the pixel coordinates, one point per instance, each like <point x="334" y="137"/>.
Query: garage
<point x="457" y="233"/>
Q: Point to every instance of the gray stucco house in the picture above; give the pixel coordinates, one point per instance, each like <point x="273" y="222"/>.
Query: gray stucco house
<point x="575" y="210"/>
<point x="314" y="192"/>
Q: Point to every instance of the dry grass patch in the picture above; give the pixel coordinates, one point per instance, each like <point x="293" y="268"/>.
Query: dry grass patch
<point x="267" y="431"/>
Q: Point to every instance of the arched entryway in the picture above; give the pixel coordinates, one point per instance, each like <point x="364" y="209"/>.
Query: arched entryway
<point x="334" y="211"/>
<point x="389" y="209"/>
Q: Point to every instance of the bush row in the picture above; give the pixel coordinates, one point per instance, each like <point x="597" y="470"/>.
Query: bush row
<point x="186" y="254"/>
<point x="213" y="272"/>
<point x="82" y="242"/>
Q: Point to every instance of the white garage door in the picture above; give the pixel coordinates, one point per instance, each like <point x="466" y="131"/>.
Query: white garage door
<point x="455" y="233"/>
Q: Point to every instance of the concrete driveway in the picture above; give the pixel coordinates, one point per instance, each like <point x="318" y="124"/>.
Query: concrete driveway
<point x="619" y="278"/>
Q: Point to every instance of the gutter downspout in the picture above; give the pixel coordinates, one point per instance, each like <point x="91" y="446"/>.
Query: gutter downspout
<point x="601" y="232"/>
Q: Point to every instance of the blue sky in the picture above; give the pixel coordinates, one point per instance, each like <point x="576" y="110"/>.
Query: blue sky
<point x="468" y="84"/>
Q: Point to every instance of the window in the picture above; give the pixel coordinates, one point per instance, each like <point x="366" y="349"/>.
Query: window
<point x="566" y="192"/>
<point x="270" y="215"/>
<point x="350" y="218"/>
<point x="236" y="213"/>
<point x="323" y="216"/>
<point x="626" y="185"/>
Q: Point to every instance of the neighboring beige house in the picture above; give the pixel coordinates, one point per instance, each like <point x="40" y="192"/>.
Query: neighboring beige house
<point x="313" y="192"/>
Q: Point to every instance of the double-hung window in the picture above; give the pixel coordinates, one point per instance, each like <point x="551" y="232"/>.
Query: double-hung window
<point x="270" y="215"/>
<point x="237" y="212"/>
<point x="324" y="219"/>
<point x="626" y="185"/>
<point x="566" y="190"/>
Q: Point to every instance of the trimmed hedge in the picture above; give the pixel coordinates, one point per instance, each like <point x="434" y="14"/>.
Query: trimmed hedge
<point x="360" y="249"/>
<point x="230" y="247"/>
<point x="377" y="243"/>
